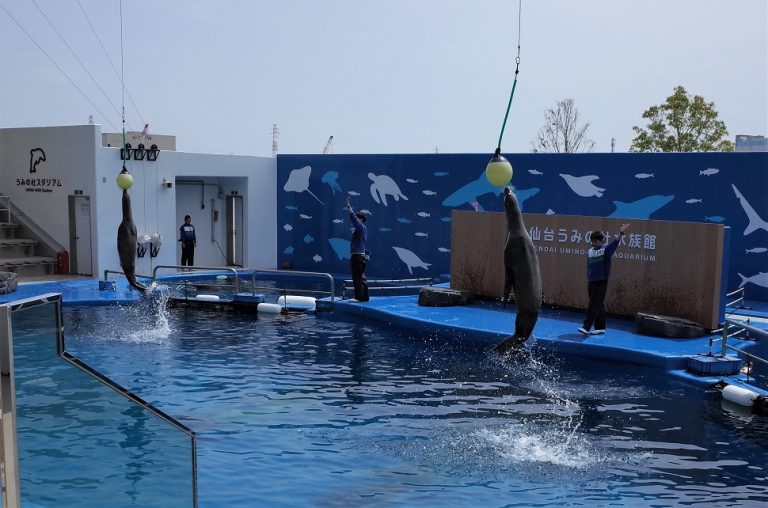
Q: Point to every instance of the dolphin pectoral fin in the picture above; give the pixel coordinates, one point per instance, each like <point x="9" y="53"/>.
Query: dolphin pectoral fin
<point x="509" y="346"/>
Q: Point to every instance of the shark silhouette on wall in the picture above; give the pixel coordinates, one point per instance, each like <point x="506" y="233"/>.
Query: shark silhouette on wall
<point x="583" y="186"/>
<point x="640" y="209"/>
<point x="410" y="259"/>
<point x="755" y="222"/>
<point x="471" y="192"/>
<point x="759" y="279"/>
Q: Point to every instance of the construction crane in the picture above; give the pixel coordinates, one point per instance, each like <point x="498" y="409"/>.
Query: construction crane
<point x="328" y="146"/>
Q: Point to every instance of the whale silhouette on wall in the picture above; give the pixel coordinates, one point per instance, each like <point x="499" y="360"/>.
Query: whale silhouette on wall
<point x="410" y="259"/>
<point x="340" y="246"/>
<point x="640" y="209"/>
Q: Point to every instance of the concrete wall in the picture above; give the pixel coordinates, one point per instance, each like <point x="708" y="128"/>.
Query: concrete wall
<point x="76" y="161"/>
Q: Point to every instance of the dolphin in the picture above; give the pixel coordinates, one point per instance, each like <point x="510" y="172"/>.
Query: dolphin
<point x="36" y="156"/>
<point x="126" y="244"/>
<point x="755" y="222"/>
<point x="410" y="259"/>
<point x="642" y="208"/>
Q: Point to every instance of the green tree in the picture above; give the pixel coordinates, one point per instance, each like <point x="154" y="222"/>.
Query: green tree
<point x="561" y="132"/>
<point x="682" y="124"/>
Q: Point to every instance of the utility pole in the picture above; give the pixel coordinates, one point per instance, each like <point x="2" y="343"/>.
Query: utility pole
<point x="275" y="135"/>
<point x="613" y="144"/>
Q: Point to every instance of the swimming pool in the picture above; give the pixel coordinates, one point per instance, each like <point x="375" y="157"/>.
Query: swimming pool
<point x="306" y="410"/>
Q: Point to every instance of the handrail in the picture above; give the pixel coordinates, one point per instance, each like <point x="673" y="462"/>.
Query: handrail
<point x="739" y="300"/>
<point x="118" y="272"/>
<point x="327" y="276"/>
<point x="200" y="268"/>
<point x="387" y="281"/>
<point x="46" y="240"/>
<point x="743" y="327"/>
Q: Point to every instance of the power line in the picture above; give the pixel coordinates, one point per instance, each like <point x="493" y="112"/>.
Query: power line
<point x="93" y="30"/>
<point x="74" y="54"/>
<point x="58" y="67"/>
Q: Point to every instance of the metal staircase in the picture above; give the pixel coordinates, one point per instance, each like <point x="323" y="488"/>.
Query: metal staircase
<point x="18" y="253"/>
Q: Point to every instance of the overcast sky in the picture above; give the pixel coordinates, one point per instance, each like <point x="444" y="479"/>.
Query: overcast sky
<point x="385" y="76"/>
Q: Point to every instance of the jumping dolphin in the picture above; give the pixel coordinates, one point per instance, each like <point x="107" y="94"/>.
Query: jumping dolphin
<point x="521" y="275"/>
<point x="126" y="244"/>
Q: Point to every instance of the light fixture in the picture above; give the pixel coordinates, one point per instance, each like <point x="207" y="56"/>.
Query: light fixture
<point x="124" y="179"/>
<point x="152" y="153"/>
<point x="167" y="183"/>
<point x="141" y="245"/>
<point x="125" y="153"/>
<point x="154" y="246"/>
<point x="139" y="152"/>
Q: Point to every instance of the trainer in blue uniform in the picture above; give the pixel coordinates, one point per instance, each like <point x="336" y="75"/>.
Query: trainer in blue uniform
<point x="598" y="273"/>
<point x="188" y="242"/>
<point x="358" y="252"/>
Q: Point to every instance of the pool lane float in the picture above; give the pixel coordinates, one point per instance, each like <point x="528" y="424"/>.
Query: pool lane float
<point x="269" y="308"/>
<point x="293" y="302"/>
<point x="207" y="298"/>
<point x="668" y="326"/>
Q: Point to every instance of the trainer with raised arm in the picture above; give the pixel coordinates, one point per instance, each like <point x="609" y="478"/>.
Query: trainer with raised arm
<point x="358" y="252"/>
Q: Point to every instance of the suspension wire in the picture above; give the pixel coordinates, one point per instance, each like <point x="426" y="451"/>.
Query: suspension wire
<point x="58" y="67"/>
<point x="122" y="73"/>
<point x="74" y="54"/>
<point x="517" y="70"/>
<point x="109" y="59"/>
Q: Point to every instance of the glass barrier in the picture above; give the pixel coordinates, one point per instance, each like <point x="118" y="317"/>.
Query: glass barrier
<point x="82" y="439"/>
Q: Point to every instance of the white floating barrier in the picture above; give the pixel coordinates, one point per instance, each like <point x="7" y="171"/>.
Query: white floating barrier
<point x="269" y="308"/>
<point x="739" y="395"/>
<point x="207" y="298"/>
<point x="297" y="302"/>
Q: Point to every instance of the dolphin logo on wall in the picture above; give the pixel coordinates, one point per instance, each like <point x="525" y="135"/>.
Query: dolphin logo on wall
<point x="640" y="209"/>
<point x="36" y="156"/>
<point x="755" y="222"/>
<point x="471" y="192"/>
<point x="298" y="181"/>
<point x="382" y="186"/>
<point x="410" y="259"/>
<point x="583" y="186"/>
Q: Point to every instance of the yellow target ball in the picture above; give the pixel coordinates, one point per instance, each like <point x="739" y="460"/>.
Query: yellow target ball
<point x="499" y="171"/>
<point x="124" y="180"/>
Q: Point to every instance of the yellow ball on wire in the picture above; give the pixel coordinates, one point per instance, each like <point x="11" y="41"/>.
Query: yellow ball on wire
<point x="499" y="171"/>
<point x="124" y="179"/>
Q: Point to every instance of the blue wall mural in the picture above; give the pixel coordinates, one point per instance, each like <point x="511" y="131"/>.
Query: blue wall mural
<point x="409" y="199"/>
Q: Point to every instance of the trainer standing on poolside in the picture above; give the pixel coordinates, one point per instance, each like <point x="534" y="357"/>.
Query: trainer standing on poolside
<point x="598" y="273"/>
<point x="358" y="252"/>
<point x="188" y="241"/>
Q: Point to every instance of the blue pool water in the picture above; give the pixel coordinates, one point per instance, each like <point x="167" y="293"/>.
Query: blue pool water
<point x="309" y="410"/>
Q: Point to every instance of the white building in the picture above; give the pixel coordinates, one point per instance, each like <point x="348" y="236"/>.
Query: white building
<point x="63" y="179"/>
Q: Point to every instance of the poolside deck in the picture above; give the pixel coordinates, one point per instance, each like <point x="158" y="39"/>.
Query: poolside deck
<point x="484" y="322"/>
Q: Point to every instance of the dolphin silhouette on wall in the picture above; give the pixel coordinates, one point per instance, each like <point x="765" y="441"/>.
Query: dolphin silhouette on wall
<point x="36" y="156"/>
<point x="583" y="186"/>
<point x="410" y="259"/>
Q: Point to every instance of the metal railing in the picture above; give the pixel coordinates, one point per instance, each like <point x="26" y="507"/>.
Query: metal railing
<point x="742" y="331"/>
<point x="395" y="284"/>
<point x="739" y="300"/>
<point x="282" y="273"/>
<point x="188" y="269"/>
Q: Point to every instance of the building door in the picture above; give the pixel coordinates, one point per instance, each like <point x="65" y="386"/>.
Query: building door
<point x="234" y="231"/>
<point x="80" y="235"/>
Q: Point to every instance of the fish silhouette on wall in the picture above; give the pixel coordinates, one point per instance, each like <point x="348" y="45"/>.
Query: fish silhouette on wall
<point x="759" y="279"/>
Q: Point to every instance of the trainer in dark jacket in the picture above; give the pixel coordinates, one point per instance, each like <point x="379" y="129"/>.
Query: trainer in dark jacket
<point x="188" y="241"/>
<point x="598" y="272"/>
<point x="358" y="253"/>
